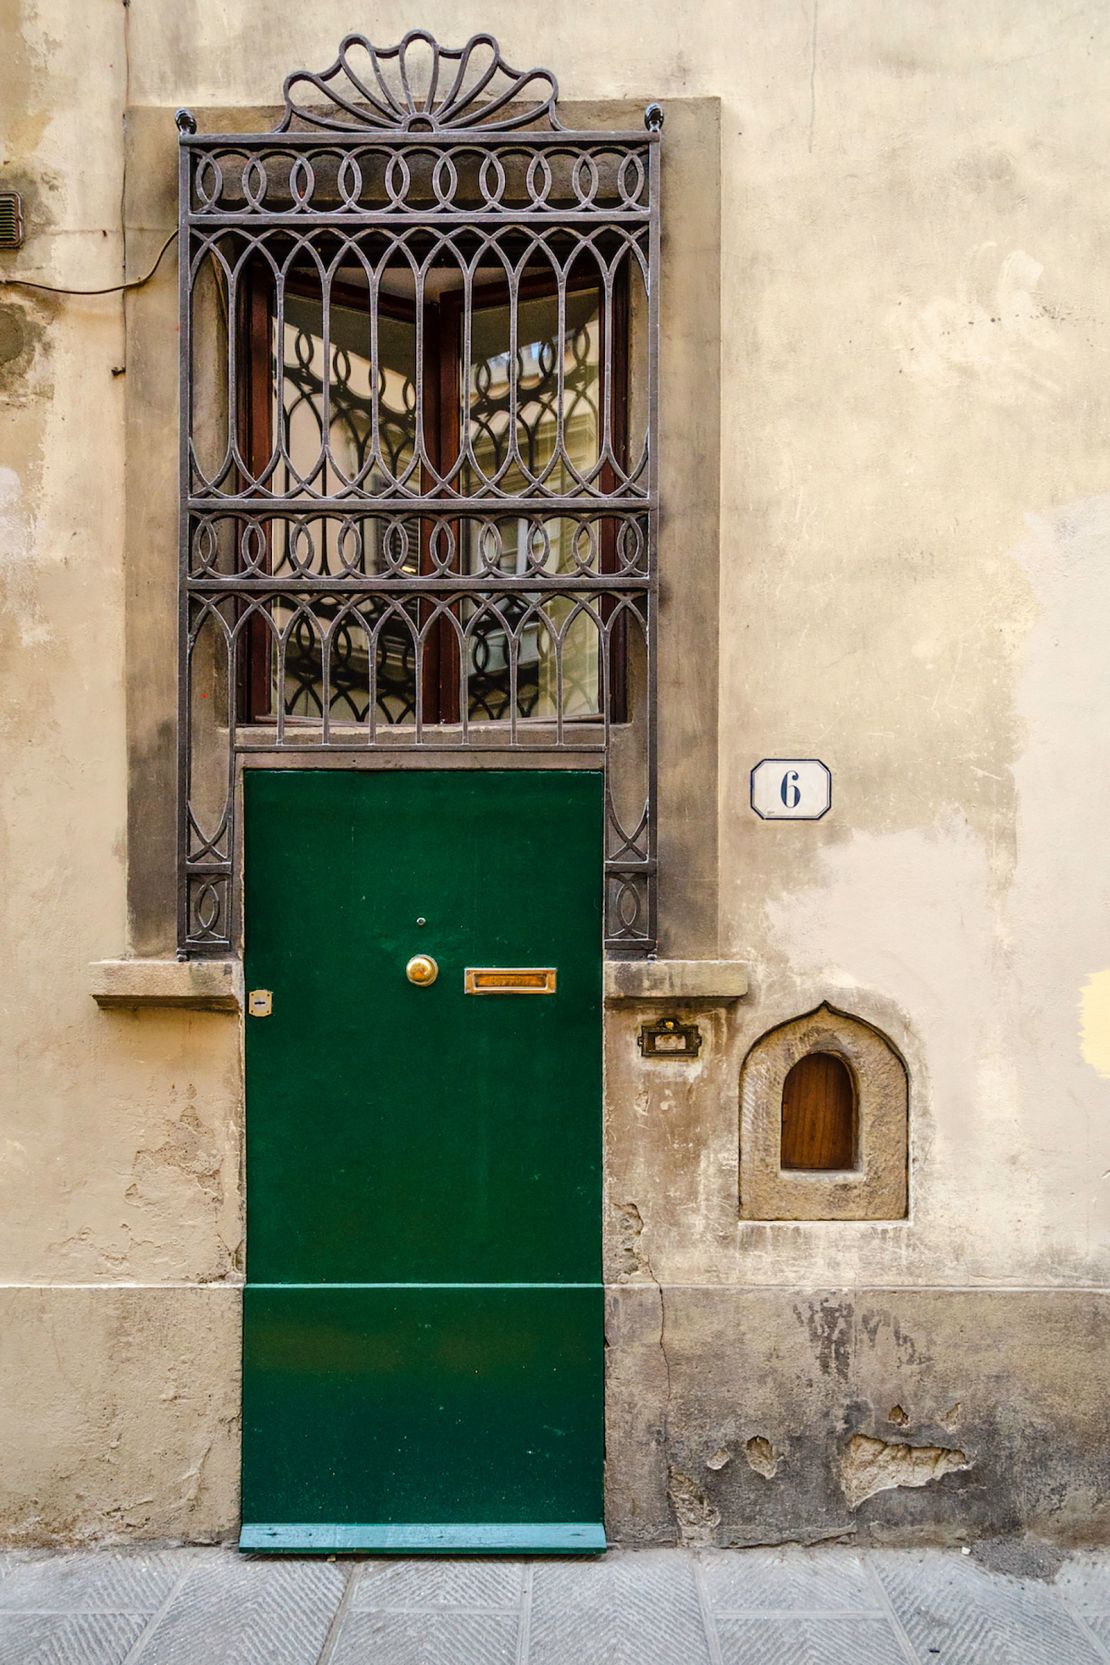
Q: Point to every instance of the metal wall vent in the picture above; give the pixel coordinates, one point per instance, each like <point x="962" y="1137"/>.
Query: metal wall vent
<point x="11" y="220"/>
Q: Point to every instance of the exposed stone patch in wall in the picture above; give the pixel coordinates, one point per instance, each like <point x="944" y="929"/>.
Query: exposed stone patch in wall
<point x="869" y="1465"/>
<point x="630" y="1226"/>
<point x="695" y="1516"/>
<point x="762" y="1456"/>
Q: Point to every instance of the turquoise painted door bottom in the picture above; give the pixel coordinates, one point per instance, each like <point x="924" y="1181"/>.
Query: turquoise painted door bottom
<point x="423" y="1319"/>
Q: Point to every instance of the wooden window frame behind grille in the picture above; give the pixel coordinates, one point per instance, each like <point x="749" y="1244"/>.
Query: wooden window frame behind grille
<point x="442" y="380"/>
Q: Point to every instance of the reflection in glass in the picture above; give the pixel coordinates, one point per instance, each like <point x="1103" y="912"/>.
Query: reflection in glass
<point x="343" y="426"/>
<point x="369" y="446"/>
<point x="532" y="424"/>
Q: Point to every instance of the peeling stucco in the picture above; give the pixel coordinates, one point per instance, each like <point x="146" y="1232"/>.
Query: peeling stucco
<point x="762" y="1456"/>
<point x="695" y="1517"/>
<point x="870" y="1465"/>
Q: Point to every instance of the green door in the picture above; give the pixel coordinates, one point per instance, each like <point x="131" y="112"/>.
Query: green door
<point x="422" y="1357"/>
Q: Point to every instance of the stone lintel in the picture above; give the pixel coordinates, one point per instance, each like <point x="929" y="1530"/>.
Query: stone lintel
<point x="192" y="985"/>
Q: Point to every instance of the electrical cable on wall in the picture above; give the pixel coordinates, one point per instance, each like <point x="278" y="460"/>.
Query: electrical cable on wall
<point x="109" y="289"/>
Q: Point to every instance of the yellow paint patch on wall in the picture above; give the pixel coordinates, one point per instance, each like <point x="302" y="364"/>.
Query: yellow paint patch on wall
<point x="1094" y="1022"/>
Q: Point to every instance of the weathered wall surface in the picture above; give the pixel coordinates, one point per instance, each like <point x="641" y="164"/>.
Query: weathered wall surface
<point x="743" y="1416"/>
<point x="119" y="1132"/>
<point x="914" y="576"/>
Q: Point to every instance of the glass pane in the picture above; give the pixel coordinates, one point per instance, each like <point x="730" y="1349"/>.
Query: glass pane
<point x="533" y="425"/>
<point x="366" y="401"/>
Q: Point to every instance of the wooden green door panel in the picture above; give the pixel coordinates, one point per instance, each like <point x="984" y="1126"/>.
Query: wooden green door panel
<point x="407" y="1133"/>
<point x="383" y="1407"/>
<point x="422" y="1328"/>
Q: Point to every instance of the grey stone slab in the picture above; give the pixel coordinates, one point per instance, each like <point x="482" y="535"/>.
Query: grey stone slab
<point x="422" y="1583"/>
<point x="1085" y="1581"/>
<point x="236" y="1612"/>
<point x="954" y="1610"/>
<point x="633" y="1608"/>
<point x="784" y="1580"/>
<point x="1100" y="1624"/>
<point x="760" y="1639"/>
<point x="91" y="1581"/>
<point x="69" y="1638"/>
<point x="456" y="1638"/>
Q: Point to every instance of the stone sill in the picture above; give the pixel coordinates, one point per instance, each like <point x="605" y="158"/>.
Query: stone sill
<point x="190" y="985"/>
<point x="721" y="981"/>
<point x="217" y="985"/>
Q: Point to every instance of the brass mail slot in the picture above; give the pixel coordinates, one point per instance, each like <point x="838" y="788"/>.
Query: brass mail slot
<point x="496" y="979"/>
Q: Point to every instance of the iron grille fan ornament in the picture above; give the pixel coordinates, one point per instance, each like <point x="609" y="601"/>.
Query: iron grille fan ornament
<point x="419" y="510"/>
<point x="482" y="92"/>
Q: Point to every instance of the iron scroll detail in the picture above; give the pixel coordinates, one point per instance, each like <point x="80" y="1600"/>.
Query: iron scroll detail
<point x="381" y="555"/>
<point x="419" y="86"/>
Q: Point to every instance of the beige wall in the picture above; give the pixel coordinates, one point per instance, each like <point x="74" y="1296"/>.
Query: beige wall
<point x="915" y="583"/>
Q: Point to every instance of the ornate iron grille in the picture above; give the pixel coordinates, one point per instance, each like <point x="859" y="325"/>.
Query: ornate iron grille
<point x="418" y="396"/>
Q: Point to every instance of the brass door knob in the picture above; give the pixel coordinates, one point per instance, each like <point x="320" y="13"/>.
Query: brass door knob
<point x="422" y="970"/>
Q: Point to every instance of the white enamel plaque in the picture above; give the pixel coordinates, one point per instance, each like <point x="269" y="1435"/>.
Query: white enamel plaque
<point x="791" y="789"/>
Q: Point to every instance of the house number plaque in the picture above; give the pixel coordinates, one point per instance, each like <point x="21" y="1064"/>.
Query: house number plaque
<point x="791" y="789"/>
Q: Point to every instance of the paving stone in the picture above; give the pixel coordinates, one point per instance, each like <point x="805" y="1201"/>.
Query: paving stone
<point x="69" y="1638"/>
<point x="826" y="1640"/>
<point x="633" y="1608"/>
<point x="954" y="1611"/>
<point x="1085" y="1580"/>
<point x="762" y="1580"/>
<point x="768" y="1607"/>
<point x="1100" y="1624"/>
<point x="427" y="1583"/>
<point x="236" y="1612"/>
<point x="92" y="1581"/>
<point x="384" y="1638"/>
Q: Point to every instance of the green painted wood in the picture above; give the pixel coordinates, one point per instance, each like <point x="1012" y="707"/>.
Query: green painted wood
<point x="423" y="1324"/>
<point x="466" y="1404"/>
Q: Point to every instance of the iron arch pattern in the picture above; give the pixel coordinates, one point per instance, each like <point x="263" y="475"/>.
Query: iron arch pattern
<point x="378" y="553"/>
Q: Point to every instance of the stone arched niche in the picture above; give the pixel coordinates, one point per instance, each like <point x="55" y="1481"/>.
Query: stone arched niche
<point x="875" y="1186"/>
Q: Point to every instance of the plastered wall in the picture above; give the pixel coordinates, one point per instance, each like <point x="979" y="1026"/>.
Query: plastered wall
<point x="914" y="577"/>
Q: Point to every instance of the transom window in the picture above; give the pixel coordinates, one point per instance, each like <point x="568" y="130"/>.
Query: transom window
<point x="515" y="395"/>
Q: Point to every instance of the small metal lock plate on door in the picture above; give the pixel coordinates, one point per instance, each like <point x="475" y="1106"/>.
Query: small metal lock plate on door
<point x="260" y="1003"/>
